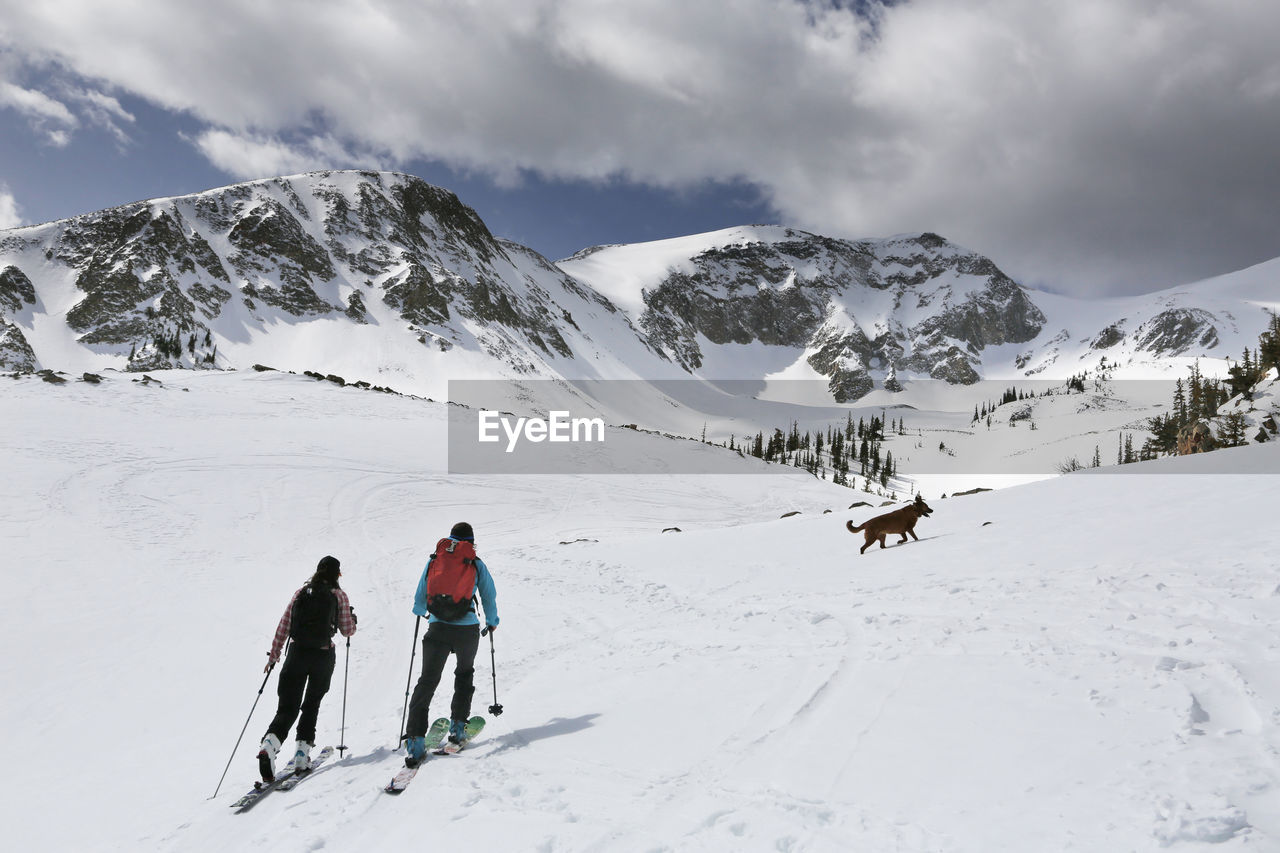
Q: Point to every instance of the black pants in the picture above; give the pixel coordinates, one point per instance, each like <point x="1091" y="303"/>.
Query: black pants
<point x="440" y="641"/>
<point x="304" y="679"/>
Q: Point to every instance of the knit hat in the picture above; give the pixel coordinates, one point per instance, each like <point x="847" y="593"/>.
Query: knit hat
<point x="329" y="567"/>
<point x="462" y="530"/>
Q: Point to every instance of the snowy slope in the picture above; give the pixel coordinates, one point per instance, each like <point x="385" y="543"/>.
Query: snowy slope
<point x="1093" y="670"/>
<point x="1214" y="319"/>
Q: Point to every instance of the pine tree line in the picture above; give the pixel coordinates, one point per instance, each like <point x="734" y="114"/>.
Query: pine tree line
<point x="842" y="449"/>
<point x="172" y="346"/>
<point x="1013" y="395"/>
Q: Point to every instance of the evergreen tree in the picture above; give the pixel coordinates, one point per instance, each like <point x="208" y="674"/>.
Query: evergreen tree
<point x="891" y="383"/>
<point x="1239" y="378"/>
<point x="1179" y="403"/>
<point x="1164" y="432"/>
<point x="1233" y="431"/>
<point x="1195" y="393"/>
<point x="1269" y="346"/>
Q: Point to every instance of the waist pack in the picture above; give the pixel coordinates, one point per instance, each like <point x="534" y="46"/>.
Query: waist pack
<point x="451" y="579"/>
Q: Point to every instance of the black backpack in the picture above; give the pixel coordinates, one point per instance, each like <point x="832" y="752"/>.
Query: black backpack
<point x="315" y="617"/>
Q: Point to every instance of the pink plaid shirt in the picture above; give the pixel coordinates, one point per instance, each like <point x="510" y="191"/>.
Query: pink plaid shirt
<point x="346" y="625"/>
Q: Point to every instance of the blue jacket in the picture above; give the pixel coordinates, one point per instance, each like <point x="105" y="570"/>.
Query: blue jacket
<point x="484" y="586"/>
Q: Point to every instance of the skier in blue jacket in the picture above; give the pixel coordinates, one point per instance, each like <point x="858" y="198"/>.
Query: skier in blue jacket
<point x="459" y="636"/>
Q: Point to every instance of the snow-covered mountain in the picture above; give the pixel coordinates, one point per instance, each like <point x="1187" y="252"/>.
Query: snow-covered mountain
<point x="385" y="278"/>
<point x="377" y="274"/>
<point x="860" y="313"/>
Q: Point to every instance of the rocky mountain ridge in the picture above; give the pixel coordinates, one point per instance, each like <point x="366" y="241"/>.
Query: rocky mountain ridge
<point x="181" y="282"/>
<point x="384" y="272"/>
<point x="856" y="308"/>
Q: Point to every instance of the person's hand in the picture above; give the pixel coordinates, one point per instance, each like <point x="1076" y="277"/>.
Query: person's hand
<point x="489" y="629"/>
<point x="352" y="611"/>
<point x="271" y="662"/>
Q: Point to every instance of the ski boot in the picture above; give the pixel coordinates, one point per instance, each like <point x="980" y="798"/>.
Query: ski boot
<point x="302" y="758"/>
<point x="457" y="731"/>
<point x="416" y="750"/>
<point x="267" y="758"/>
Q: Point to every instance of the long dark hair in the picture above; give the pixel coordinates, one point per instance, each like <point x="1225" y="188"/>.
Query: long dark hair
<point x="326" y="573"/>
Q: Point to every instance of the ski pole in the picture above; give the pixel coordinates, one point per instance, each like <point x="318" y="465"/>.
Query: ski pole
<point x="242" y="731"/>
<point x="345" y="669"/>
<point x="404" y="714"/>
<point x="495" y="708"/>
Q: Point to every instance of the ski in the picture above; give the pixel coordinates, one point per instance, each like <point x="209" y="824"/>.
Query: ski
<point x="284" y="777"/>
<point x="435" y="736"/>
<point x="473" y="728"/>
<point x="292" y="782"/>
<point x="261" y="789"/>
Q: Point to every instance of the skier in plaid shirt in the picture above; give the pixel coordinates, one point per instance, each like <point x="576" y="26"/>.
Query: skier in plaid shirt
<point x="316" y="611"/>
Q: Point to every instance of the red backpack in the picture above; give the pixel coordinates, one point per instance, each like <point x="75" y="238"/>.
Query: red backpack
<point x="451" y="579"/>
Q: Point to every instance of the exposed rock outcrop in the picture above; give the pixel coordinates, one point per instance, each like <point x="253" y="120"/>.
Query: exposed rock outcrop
<point x="1195" y="437"/>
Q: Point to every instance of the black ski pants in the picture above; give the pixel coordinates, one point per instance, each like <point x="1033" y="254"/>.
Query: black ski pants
<point x="441" y="640"/>
<point x="304" y="679"/>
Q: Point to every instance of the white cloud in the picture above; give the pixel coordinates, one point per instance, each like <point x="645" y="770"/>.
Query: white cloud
<point x="10" y="215"/>
<point x="46" y="115"/>
<point x="1099" y="143"/>
<point x="105" y="112"/>
<point x="250" y="156"/>
<point x="51" y="116"/>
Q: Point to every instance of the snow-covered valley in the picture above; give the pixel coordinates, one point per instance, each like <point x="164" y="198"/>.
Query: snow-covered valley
<point x="1083" y="663"/>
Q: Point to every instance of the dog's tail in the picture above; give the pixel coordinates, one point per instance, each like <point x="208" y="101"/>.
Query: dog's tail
<point x="852" y="529"/>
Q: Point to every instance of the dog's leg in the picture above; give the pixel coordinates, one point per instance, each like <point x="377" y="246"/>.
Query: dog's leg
<point x="912" y="531"/>
<point x="882" y="538"/>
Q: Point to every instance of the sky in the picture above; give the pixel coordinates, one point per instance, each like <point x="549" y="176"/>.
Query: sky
<point x="1098" y="147"/>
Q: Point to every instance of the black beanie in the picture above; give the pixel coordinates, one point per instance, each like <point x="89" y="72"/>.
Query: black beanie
<point x="462" y="530"/>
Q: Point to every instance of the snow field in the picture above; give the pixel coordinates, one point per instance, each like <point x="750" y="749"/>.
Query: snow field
<point x="1093" y="670"/>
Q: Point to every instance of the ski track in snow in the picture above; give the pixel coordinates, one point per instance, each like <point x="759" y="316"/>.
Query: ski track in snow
<point x="1094" y="671"/>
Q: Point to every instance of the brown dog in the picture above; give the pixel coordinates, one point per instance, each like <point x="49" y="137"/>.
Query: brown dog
<point x="901" y="521"/>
